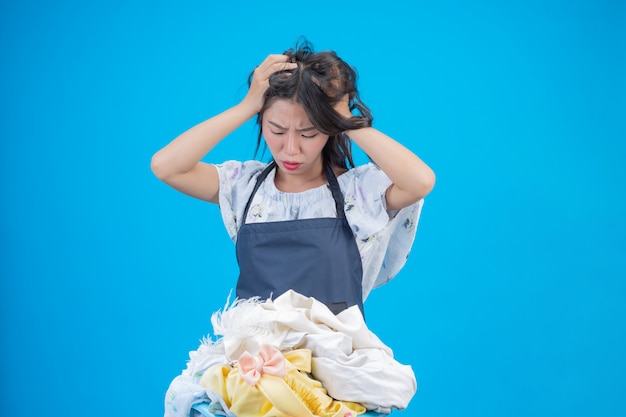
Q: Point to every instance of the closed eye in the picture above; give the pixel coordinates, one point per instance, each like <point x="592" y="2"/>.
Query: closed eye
<point x="309" y="137"/>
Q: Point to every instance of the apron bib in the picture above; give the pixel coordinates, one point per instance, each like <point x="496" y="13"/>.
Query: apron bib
<point x="317" y="257"/>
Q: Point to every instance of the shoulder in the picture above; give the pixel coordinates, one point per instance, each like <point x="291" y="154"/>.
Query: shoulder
<point x="237" y="180"/>
<point x="367" y="176"/>
<point x="238" y="168"/>
<point x="239" y="171"/>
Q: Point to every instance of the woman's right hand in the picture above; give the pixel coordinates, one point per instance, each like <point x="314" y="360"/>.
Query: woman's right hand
<point x="261" y="79"/>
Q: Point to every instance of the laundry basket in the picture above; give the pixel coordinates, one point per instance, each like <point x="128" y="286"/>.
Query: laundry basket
<point x="203" y="410"/>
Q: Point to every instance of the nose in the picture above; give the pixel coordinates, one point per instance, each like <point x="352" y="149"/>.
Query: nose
<point x="292" y="147"/>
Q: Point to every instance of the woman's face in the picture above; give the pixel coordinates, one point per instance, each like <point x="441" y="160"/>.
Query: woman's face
<point x="293" y="141"/>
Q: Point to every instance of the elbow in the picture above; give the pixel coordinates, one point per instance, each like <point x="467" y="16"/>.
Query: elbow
<point x="424" y="184"/>
<point x="429" y="183"/>
<point x="414" y="187"/>
<point x="158" y="166"/>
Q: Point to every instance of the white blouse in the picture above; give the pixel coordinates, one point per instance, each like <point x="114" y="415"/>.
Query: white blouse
<point x="384" y="238"/>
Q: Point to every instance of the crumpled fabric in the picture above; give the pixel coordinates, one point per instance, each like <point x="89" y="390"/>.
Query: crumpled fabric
<point x="349" y="360"/>
<point x="277" y="391"/>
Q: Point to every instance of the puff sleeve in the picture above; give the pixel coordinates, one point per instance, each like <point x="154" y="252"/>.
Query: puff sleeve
<point x="384" y="237"/>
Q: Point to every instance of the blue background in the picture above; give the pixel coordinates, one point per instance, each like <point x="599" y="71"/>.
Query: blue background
<point x="513" y="301"/>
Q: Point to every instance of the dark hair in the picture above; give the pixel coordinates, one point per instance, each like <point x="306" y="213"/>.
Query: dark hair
<point x="319" y="82"/>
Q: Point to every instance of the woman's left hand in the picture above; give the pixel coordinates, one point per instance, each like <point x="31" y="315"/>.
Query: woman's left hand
<point x="343" y="107"/>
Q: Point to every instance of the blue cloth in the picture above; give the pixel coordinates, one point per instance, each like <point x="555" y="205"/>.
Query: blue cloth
<point x="204" y="410"/>
<point x="318" y="258"/>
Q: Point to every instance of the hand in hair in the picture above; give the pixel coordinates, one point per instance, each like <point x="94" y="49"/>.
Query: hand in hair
<point x="343" y="107"/>
<point x="259" y="82"/>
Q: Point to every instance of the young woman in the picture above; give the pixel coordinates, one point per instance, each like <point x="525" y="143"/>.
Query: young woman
<point x="314" y="235"/>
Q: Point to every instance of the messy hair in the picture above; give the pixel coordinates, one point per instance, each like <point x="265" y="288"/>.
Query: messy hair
<point x="318" y="83"/>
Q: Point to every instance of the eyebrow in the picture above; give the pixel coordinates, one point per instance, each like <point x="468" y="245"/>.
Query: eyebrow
<point x="306" y="129"/>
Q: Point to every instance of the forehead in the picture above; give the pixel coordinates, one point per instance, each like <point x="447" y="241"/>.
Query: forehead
<point x="287" y="113"/>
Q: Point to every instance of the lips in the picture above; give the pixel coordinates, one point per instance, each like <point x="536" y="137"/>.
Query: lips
<point x="291" y="166"/>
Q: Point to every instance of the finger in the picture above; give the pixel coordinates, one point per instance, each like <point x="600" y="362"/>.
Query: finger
<point x="283" y="66"/>
<point x="272" y="59"/>
<point x="278" y="57"/>
<point x="264" y="72"/>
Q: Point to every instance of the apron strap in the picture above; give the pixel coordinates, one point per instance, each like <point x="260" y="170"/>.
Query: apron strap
<point x="332" y="183"/>
<point x="259" y="181"/>
<point x="337" y="194"/>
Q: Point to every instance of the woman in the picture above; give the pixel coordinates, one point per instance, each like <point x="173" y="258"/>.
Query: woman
<point x="314" y="235"/>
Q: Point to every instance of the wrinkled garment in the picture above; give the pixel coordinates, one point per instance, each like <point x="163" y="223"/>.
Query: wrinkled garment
<point x="280" y="387"/>
<point x="343" y="351"/>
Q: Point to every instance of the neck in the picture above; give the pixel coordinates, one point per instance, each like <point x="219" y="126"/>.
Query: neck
<point x="295" y="183"/>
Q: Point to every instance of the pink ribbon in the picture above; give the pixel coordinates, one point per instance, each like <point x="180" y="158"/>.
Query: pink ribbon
<point x="269" y="361"/>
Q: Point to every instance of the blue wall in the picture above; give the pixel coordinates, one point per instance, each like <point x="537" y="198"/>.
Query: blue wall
<point x="513" y="301"/>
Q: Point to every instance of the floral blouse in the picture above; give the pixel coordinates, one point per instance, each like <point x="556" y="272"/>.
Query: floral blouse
<point x="384" y="238"/>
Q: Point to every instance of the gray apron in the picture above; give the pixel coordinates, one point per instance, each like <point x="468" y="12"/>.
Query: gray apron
<point x="317" y="258"/>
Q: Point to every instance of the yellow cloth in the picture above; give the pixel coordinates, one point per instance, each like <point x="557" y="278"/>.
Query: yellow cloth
<point x="294" y="395"/>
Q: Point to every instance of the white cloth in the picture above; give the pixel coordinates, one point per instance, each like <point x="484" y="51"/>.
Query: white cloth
<point x="384" y="239"/>
<point x="350" y="361"/>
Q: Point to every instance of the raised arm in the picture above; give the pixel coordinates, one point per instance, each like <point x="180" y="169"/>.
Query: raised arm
<point x="411" y="178"/>
<point x="179" y="163"/>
